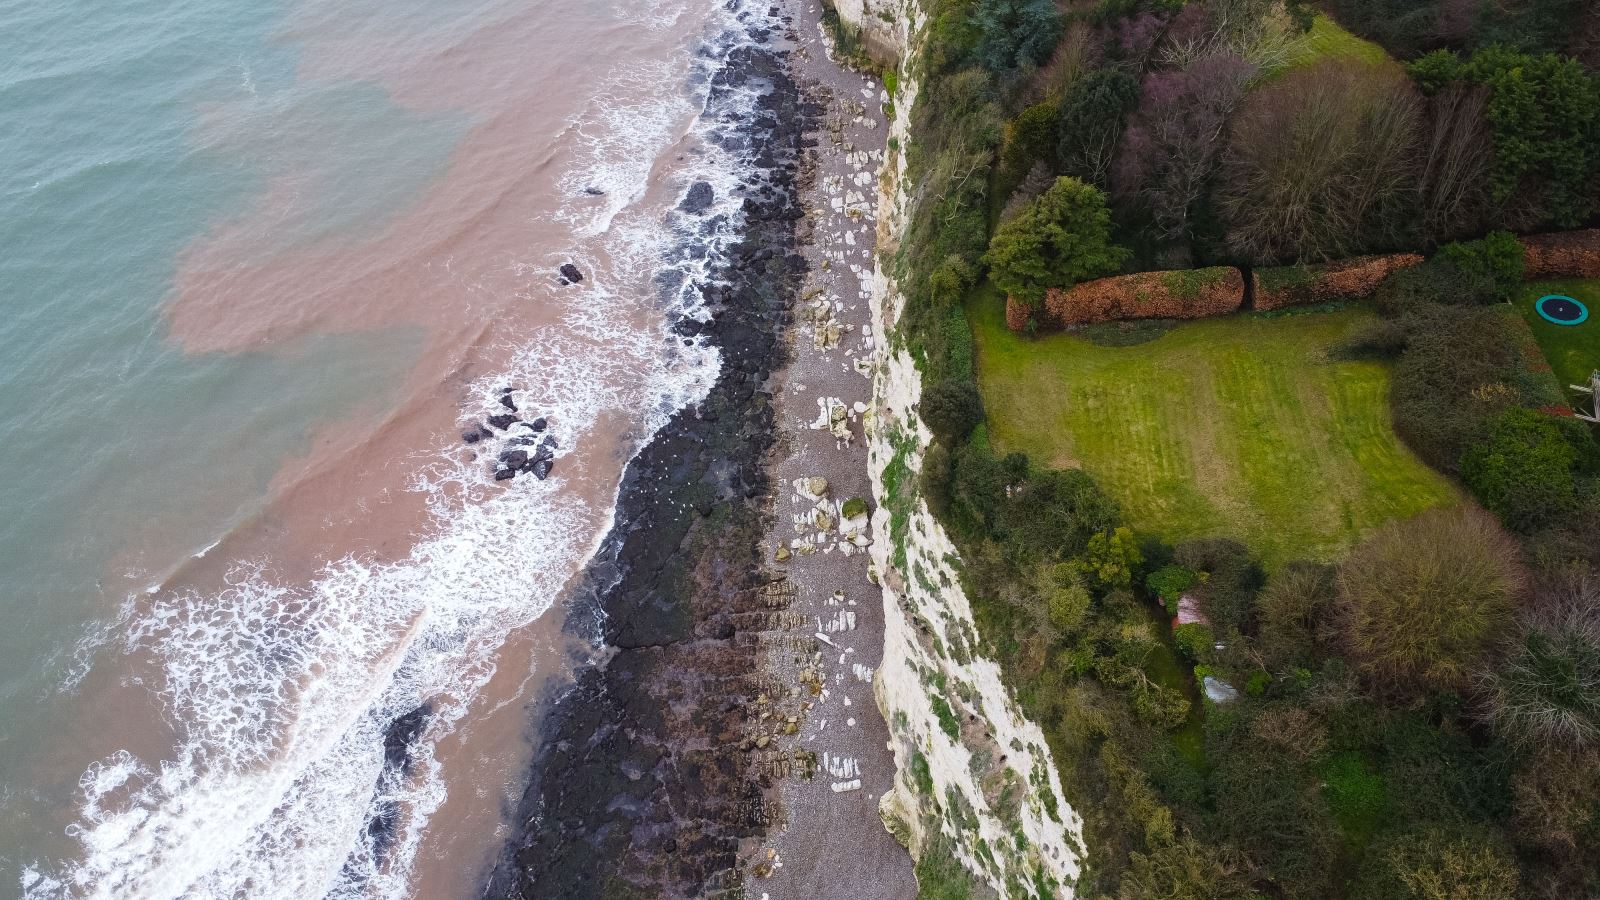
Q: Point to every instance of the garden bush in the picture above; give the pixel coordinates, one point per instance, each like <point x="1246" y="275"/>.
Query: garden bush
<point x="1556" y="816"/>
<point x="1014" y="34"/>
<point x="1169" y="582"/>
<point x="1055" y="513"/>
<point x="1294" y="611"/>
<point x="1230" y="577"/>
<point x="1547" y="689"/>
<point x="1461" y="367"/>
<point x="1544" y="116"/>
<point x="1195" y="641"/>
<point x="952" y="408"/>
<point x="1423" y="602"/>
<point x="1440" y="863"/>
<point x="1262" y="801"/>
<point x="1091" y="122"/>
<point x="1320" y="164"/>
<point x="1172" y="144"/>
<point x="1062" y="238"/>
<point x="1522" y="470"/>
<point x="1489" y="270"/>
<point x="1029" y="138"/>
<point x="1188" y="870"/>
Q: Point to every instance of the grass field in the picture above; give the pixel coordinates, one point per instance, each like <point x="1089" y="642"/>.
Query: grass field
<point x="1328" y="40"/>
<point x="1239" y="426"/>
<point x="1573" y="350"/>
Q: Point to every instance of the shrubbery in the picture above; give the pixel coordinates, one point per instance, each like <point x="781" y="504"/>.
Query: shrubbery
<point x="1547" y="691"/>
<point x="1438" y="864"/>
<point x="1016" y="33"/>
<point x="1355" y="753"/>
<point x="1295" y="612"/>
<point x="1062" y="238"/>
<point x="1320" y="164"/>
<point x="1485" y="271"/>
<point x="1091" y="121"/>
<point x="1461" y="367"/>
<point x="1423" y="602"/>
<point x="1231" y="577"/>
<point x="952" y="408"/>
<point x="1544" y="117"/>
<point x="1522" y="470"/>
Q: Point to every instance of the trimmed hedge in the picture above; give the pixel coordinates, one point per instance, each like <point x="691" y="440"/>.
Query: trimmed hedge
<point x="1347" y="279"/>
<point x="1017" y="314"/>
<point x="1564" y="254"/>
<point x="1184" y="294"/>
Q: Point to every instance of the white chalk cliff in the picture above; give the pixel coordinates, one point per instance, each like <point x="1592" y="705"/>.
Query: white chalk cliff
<point x="970" y="765"/>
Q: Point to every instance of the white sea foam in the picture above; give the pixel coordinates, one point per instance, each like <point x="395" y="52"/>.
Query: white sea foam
<point x="281" y="693"/>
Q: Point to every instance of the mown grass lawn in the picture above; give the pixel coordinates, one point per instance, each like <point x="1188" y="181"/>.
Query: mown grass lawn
<point x="1327" y="39"/>
<point x="1573" y="350"/>
<point x="1239" y="426"/>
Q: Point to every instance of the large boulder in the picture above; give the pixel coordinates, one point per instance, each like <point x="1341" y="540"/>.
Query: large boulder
<point x="699" y="198"/>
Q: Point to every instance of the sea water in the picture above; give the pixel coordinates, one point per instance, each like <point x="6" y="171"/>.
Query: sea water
<point x="260" y="265"/>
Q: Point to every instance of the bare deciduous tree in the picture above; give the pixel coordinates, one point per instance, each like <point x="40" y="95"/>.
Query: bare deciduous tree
<point x="1170" y="150"/>
<point x="1322" y="164"/>
<point x="1455" y="163"/>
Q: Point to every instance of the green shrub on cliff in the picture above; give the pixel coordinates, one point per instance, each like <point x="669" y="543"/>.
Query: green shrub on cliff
<point x="1016" y="33"/>
<point x="1060" y="239"/>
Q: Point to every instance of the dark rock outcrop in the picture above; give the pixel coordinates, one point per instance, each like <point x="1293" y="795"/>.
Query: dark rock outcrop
<point x="699" y="198"/>
<point x="570" y="274"/>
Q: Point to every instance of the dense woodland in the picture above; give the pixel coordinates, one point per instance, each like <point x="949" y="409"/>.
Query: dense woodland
<point x="1420" y="719"/>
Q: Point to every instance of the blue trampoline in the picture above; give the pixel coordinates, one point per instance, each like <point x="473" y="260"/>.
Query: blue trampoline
<point x="1560" y="309"/>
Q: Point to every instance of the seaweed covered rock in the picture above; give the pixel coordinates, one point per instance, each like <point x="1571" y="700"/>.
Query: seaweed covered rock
<point x="1347" y="279"/>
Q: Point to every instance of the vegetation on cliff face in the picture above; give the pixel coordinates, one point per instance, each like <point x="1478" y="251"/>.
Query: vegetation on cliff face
<point x="1350" y="727"/>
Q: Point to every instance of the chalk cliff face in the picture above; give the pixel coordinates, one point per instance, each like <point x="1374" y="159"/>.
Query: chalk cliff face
<point x="971" y="767"/>
<point x="879" y="25"/>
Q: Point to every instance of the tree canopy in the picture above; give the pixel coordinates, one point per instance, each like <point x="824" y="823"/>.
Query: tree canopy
<point x="1060" y="239"/>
